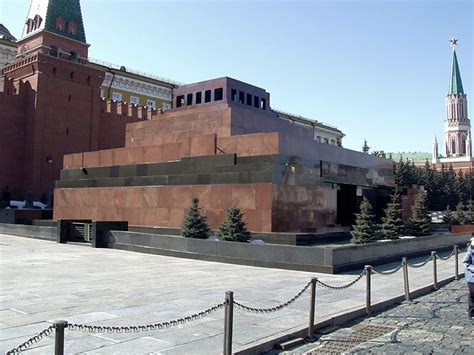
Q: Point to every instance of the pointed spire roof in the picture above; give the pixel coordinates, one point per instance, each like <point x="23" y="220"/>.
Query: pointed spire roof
<point x="456" y="83"/>
<point x="62" y="17"/>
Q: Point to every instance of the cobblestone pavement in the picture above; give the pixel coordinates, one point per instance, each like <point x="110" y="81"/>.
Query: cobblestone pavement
<point x="437" y="323"/>
<point x="41" y="281"/>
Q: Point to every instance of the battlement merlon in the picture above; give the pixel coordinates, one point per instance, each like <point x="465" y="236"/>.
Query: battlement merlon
<point x="125" y="109"/>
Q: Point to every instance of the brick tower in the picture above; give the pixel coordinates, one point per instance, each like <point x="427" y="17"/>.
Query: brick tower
<point x="457" y="126"/>
<point x="60" y="97"/>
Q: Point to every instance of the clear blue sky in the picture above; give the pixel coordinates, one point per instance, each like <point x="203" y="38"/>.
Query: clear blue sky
<point x="375" y="69"/>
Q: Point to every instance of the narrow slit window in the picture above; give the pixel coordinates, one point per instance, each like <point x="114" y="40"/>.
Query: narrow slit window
<point x="256" y="101"/>
<point x="218" y="94"/>
<point x="233" y="94"/>
<point x="249" y="99"/>
<point x="179" y="100"/>
<point x="207" y="96"/>
<point x="199" y="97"/>
<point x="189" y="99"/>
<point x="241" y="97"/>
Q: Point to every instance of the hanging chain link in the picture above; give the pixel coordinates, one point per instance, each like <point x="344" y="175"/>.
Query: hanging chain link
<point x="389" y="272"/>
<point x="33" y="340"/>
<point x="422" y="263"/>
<point x="272" y="309"/>
<point x="446" y="257"/>
<point x="332" y="287"/>
<point x="147" y="327"/>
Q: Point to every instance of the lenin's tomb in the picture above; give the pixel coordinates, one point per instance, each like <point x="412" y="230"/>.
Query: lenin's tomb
<point x="223" y="144"/>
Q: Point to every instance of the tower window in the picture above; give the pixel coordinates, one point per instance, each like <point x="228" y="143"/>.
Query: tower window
<point x="54" y="51"/>
<point x="198" y="97"/>
<point x="74" y="56"/>
<point x="249" y="99"/>
<point x="180" y="101"/>
<point x="72" y="27"/>
<point x="37" y="22"/>
<point x="207" y="96"/>
<point x="59" y="23"/>
<point x="218" y="94"/>
<point x="189" y="99"/>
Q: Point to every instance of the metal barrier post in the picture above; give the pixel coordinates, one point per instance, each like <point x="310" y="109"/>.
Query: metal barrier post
<point x="435" y="270"/>
<point x="368" y="272"/>
<point x="405" y="278"/>
<point x="456" y="262"/>
<point x="312" y="307"/>
<point x="59" y="326"/>
<point x="228" y="322"/>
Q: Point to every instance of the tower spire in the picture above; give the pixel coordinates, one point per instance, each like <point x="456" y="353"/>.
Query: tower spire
<point x="456" y="83"/>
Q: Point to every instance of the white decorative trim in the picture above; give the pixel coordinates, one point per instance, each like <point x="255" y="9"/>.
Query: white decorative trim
<point x="137" y="87"/>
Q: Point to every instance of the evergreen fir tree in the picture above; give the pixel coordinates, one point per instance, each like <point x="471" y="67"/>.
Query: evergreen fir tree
<point x="469" y="216"/>
<point x="448" y="216"/>
<point x="393" y="226"/>
<point x="460" y="215"/>
<point x="364" y="231"/>
<point x="233" y="228"/>
<point x="420" y="219"/>
<point x="365" y="147"/>
<point x="194" y="224"/>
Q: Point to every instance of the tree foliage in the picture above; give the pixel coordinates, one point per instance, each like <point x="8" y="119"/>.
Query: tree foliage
<point x="393" y="226"/>
<point x="194" y="224"/>
<point x="365" y="230"/>
<point x="420" y="220"/>
<point x="234" y="228"/>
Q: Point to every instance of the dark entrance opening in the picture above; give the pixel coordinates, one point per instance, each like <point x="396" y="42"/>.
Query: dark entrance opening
<point x="346" y="204"/>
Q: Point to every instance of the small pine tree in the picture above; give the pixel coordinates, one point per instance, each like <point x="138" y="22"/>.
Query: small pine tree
<point x="364" y="230"/>
<point x="365" y="147"/>
<point x="194" y="224"/>
<point x="420" y="219"/>
<point x="233" y="228"/>
<point x="393" y="226"/>
<point x="448" y="216"/>
<point x="460" y="215"/>
<point x="469" y="216"/>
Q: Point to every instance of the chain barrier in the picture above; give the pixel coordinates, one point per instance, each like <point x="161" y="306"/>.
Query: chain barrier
<point x="446" y="257"/>
<point x="272" y="309"/>
<point x="389" y="272"/>
<point x="147" y="327"/>
<point x="332" y="287"/>
<point x="33" y="340"/>
<point x="422" y="263"/>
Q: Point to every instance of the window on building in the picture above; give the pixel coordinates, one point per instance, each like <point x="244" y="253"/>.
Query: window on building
<point x="116" y="96"/>
<point x="241" y="97"/>
<point x="134" y="100"/>
<point x="333" y="142"/>
<point x="166" y="106"/>
<point x="256" y="101"/>
<point x="37" y="22"/>
<point x="29" y="25"/>
<point x="326" y="140"/>
<point x="179" y="100"/>
<point x="72" y="27"/>
<point x="249" y="99"/>
<point x="207" y="96"/>
<point x="189" y="99"/>
<point x="218" y="94"/>
<point x="263" y="103"/>
<point x="59" y="23"/>
<point x="318" y="138"/>
<point x="54" y="51"/>
<point x="151" y="103"/>
<point x="233" y="94"/>
<point x="74" y="56"/>
<point x="198" y="97"/>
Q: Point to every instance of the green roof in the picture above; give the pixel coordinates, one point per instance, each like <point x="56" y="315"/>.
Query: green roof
<point x="456" y="83"/>
<point x="49" y="11"/>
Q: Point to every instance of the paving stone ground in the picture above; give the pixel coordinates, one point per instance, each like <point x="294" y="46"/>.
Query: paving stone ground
<point x="41" y="281"/>
<point x="437" y="323"/>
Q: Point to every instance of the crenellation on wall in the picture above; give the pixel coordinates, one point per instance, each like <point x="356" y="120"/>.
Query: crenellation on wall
<point x="116" y="109"/>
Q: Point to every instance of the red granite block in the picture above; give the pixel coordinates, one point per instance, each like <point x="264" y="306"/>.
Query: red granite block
<point x="244" y="196"/>
<point x="182" y="196"/>
<point x="221" y="196"/>
<point x="152" y="154"/>
<point x="263" y="196"/>
<point x="171" y="152"/>
<point x="176" y="217"/>
<point x="253" y="218"/>
<point x="203" y="193"/>
<point x="91" y="159"/>
<point x="214" y="217"/>
<point x="165" y="196"/>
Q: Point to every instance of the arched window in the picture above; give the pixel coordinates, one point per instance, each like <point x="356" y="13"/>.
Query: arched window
<point x="54" y="51"/>
<point x="462" y="148"/>
<point x="37" y="22"/>
<point x="72" y="27"/>
<point x="29" y="25"/>
<point x="74" y="56"/>
<point x="59" y="23"/>
<point x="453" y="146"/>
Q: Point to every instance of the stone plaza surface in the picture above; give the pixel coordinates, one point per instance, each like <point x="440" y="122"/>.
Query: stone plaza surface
<point x="43" y="281"/>
<point x="434" y="323"/>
